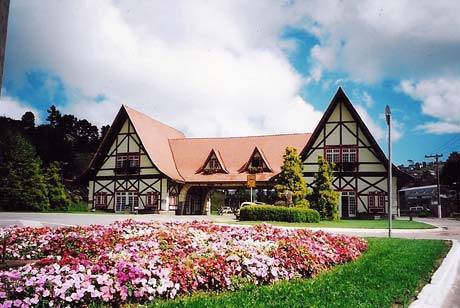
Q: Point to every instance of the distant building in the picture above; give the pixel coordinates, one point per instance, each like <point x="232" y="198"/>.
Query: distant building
<point x="424" y="173"/>
<point x="427" y="198"/>
<point x="4" y="10"/>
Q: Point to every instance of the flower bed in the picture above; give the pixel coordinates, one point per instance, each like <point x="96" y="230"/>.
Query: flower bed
<point x="136" y="262"/>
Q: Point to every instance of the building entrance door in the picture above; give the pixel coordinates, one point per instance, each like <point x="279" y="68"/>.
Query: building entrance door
<point x="348" y="201"/>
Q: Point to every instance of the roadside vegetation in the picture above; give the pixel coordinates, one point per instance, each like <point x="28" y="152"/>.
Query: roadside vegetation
<point x="389" y="274"/>
<point x="37" y="162"/>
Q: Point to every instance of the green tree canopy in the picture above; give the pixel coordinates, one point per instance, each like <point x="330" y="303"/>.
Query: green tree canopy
<point x="28" y="120"/>
<point x="325" y="199"/>
<point x="22" y="186"/>
<point x="54" y="115"/>
<point x="291" y="176"/>
<point x="57" y="194"/>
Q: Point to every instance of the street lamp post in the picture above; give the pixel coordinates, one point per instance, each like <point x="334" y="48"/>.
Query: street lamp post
<point x="390" y="184"/>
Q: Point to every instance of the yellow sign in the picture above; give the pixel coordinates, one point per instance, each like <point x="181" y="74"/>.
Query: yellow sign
<point x="251" y="183"/>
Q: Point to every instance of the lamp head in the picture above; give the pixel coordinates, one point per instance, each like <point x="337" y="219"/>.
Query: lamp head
<point x="388" y="114"/>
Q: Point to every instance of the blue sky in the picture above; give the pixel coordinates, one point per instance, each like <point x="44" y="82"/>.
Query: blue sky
<point x="226" y="69"/>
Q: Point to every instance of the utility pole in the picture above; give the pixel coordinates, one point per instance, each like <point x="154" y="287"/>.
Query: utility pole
<point x="436" y="157"/>
<point x="390" y="168"/>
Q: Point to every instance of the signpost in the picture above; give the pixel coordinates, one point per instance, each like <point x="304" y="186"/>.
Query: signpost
<point x="251" y="182"/>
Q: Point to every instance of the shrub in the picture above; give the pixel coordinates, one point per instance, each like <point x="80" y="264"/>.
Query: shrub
<point x="303" y="204"/>
<point x="278" y="213"/>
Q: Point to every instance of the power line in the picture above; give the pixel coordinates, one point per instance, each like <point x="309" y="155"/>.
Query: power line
<point x="448" y="143"/>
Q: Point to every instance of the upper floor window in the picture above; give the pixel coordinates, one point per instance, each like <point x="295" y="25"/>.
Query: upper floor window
<point x="213" y="164"/>
<point x="128" y="163"/>
<point x="344" y="157"/>
<point x="257" y="163"/>
<point x="333" y="155"/>
<point x="349" y="155"/>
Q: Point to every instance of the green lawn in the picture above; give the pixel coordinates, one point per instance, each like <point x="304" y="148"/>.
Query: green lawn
<point x="389" y="274"/>
<point x="348" y="223"/>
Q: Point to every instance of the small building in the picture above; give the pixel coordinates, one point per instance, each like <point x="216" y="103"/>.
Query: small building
<point x="149" y="166"/>
<point x="426" y="198"/>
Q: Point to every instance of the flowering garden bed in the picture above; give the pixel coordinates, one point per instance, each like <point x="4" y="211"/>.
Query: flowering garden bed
<point x="137" y="262"/>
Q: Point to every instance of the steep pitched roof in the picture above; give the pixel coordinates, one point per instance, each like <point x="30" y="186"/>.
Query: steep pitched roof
<point x="153" y="135"/>
<point x="340" y="96"/>
<point x="189" y="154"/>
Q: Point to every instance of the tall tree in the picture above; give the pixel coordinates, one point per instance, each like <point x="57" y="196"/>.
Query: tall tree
<point x="325" y="199"/>
<point x="450" y="172"/>
<point x="28" y="120"/>
<point x="104" y="131"/>
<point x="57" y="194"/>
<point x="53" y="116"/>
<point x="291" y="177"/>
<point x="23" y="185"/>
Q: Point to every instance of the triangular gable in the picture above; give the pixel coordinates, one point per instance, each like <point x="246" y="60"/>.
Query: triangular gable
<point x="266" y="165"/>
<point x="144" y="128"/>
<point x="213" y="154"/>
<point x="339" y="97"/>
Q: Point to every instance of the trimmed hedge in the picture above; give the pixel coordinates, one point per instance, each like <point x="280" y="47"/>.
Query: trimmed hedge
<point x="278" y="213"/>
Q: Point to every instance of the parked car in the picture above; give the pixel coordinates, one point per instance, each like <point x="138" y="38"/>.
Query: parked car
<point x="225" y="210"/>
<point x="237" y="212"/>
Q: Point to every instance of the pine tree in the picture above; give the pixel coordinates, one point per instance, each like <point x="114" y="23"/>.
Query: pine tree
<point x="57" y="194"/>
<point x="291" y="177"/>
<point x="53" y="116"/>
<point x="325" y="199"/>
<point x="23" y="185"/>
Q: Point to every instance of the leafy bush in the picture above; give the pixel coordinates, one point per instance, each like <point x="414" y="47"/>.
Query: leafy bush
<point x="303" y="204"/>
<point x="278" y="213"/>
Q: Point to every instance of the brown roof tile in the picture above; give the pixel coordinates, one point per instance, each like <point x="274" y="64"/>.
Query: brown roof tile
<point x="191" y="153"/>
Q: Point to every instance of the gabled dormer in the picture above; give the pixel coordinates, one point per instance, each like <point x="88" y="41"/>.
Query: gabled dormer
<point x="213" y="164"/>
<point x="257" y="163"/>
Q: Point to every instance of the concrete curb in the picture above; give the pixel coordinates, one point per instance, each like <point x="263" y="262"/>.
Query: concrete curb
<point x="435" y="293"/>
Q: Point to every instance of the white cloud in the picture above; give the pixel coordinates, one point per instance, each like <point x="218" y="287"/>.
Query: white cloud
<point x="440" y="128"/>
<point x="207" y="68"/>
<point x="12" y="108"/>
<point x="380" y="132"/>
<point x="374" y="40"/>
<point x="440" y="99"/>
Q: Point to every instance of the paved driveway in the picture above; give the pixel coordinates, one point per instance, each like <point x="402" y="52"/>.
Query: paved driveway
<point x="81" y="219"/>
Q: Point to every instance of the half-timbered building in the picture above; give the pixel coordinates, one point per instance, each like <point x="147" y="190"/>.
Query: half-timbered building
<point x="360" y="173"/>
<point x="143" y="165"/>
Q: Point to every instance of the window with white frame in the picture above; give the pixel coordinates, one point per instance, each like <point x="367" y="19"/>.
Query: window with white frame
<point x="352" y="203"/>
<point x="125" y="199"/>
<point x="128" y="160"/>
<point x="333" y="155"/>
<point x="349" y="154"/>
